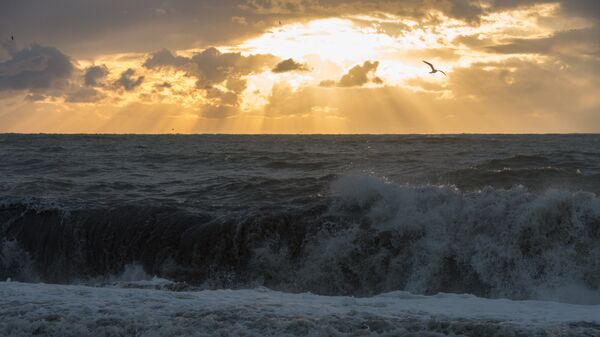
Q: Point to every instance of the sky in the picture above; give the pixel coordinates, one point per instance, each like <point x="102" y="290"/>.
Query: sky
<point x="299" y="66"/>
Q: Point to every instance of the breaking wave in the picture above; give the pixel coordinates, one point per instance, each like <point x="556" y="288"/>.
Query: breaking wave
<point x="367" y="236"/>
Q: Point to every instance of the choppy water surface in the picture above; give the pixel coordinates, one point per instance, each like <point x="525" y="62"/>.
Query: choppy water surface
<point x="496" y="216"/>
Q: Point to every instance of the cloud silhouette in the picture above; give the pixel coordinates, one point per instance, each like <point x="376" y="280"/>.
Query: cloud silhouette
<point x="93" y="74"/>
<point x="210" y="66"/>
<point x="358" y="76"/>
<point x="35" y="68"/>
<point x="288" y="66"/>
<point x="165" y="58"/>
<point x="127" y="80"/>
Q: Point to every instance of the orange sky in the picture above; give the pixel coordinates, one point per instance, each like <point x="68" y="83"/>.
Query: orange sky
<point x="329" y="67"/>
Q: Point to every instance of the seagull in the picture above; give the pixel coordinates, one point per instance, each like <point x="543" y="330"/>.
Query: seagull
<point x="433" y="70"/>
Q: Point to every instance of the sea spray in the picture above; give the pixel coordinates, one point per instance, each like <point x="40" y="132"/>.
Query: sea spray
<point x="369" y="236"/>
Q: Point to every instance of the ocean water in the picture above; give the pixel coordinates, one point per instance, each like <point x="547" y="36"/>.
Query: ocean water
<point x="499" y="217"/>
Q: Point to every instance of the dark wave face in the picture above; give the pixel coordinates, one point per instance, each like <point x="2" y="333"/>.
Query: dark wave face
<point x="495" y="216"/>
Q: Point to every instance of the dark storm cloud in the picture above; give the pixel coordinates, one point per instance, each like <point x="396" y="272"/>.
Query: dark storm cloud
<point x="93" y="74"/>
<point x="35" y="68"/>
<point x="357" y="76"/>
<point x="90" y="27"/>
<point x="45" y="73"/>
<point x="128" y="81"/>
<point x="289" y="65"/>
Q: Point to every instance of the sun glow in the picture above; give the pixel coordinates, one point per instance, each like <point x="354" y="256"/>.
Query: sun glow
<point x="399" y="44"/>
<point x="394" y="86"/>
<point x="336" y="40"/>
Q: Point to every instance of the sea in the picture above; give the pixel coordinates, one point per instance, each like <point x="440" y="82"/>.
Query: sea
<point x="300" y="235"/>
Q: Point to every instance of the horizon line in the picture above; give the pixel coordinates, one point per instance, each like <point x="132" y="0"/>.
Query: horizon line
<point x="299" y="134"/>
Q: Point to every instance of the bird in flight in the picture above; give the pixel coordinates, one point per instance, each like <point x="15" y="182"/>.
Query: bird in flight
<point x="433" y="70"/>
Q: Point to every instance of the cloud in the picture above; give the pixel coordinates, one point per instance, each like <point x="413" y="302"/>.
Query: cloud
<point x="520" y="69"/>
<point x="34" y="97"/>
<point x="80" y="27"/>
<point x="163" y="85"/>
<point x="475" y="41"/>
<point x="47" y="73"/>
<point x="165" y="58"/>
<point x="184" y="24"/>
<point x="448" y="54"/>
<point x="582" y="8"/>
<point x="35" y="68"/>
<point x="288" y="66"/>
<point x="240" y="20"/>
<point x="127" y="80"/>
<point x="212" y="68"/>
<point x="357" y="76"/>
<point x="517" y="96"/>
<point x="463" y="9"/>
<point x="470" y="11"/>
<point x="84" y="95"/>
<point x="360" y="75"/>
<point x="218" y="111"/>
<point x="328" y="83"/>
<point x="578" y="42"/>
<point x="284" y="101"/>
<point x="519" y="87"/>
<point x="349" y="106"/>
<point x="523" y="46"/>
<point x="93" y="74"/>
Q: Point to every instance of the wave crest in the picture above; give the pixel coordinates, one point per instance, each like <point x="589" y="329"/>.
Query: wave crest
<point x="492" y="242"/>
<point x="368" y="236"/>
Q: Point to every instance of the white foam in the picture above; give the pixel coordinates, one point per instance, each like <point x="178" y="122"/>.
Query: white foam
<point x="68" y="310"/>
<point x="509" y="243"/>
